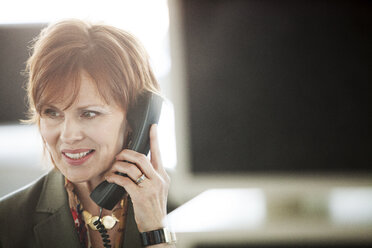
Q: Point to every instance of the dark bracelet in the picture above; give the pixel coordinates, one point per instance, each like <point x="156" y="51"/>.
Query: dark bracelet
<point x="157" y="237"/>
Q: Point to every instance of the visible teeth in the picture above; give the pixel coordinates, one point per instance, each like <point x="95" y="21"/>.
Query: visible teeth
<point x="77" y="155"/>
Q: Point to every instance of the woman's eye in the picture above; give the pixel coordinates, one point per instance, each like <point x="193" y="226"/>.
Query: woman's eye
<point x="51" y="113"/>
<point x="89" y="114"/>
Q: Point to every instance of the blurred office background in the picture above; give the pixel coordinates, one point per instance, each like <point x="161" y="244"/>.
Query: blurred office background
<point x="266" y="134"/>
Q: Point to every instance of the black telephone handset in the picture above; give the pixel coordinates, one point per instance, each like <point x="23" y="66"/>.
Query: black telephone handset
<point x="140" y="118"/>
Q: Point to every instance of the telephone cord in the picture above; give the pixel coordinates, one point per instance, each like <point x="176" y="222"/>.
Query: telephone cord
<point x="102" y="230"/>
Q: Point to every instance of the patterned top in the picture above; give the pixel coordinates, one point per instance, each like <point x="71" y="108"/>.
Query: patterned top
<point x="81" y="227"/>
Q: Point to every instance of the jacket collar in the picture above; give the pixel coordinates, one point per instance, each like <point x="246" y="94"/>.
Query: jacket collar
<point x="55" y="227"/>
<point x="53" y="195"/>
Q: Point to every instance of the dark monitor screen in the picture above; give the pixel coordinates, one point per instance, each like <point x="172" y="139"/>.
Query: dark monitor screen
<point x="279" y="86"/>
<point x="14" y="42"/>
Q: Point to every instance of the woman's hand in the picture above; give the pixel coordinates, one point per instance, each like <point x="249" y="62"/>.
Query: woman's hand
<point x="149" y="197"/>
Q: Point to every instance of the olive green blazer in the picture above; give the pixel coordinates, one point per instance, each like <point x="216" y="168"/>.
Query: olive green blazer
<point x="39" y="216"/>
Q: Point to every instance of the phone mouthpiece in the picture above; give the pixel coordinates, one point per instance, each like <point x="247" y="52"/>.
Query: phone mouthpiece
<point x="106" y="195"/>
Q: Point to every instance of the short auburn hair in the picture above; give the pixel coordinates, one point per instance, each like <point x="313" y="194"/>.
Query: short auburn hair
<point x="114" y="59"/>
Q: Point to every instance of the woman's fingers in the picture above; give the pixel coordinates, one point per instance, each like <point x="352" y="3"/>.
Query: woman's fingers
<point x="140" y="160"/>
<point x="127" y="168"/>
<point x="130" y="182"/>
<point x="125" y="182"/>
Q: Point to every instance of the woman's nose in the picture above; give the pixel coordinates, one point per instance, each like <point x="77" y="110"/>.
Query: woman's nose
<point x="71" y="131"/>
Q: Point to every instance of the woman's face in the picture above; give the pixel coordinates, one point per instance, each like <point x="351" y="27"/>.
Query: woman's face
<point x="84" y="139"/>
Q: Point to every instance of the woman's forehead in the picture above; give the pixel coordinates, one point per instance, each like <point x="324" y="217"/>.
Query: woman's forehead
<point x="88" y="91"/>
<point x="84" y="92"/>
<point x="87" y="95"/>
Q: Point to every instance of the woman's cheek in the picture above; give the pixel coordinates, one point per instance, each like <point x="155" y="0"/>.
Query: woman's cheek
<point x="49" y="133"/>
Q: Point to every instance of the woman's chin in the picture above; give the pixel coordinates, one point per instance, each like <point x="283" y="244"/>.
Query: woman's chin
<point x="78" y="174"/>
<point x="83" y="178"/>
<point x="78" y="178"/>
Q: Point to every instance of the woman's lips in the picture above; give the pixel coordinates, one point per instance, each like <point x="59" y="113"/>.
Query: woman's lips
<point x="78" y="156"/>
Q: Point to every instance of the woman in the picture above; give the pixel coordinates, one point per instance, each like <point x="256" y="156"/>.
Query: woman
<point x="82" y="80"/>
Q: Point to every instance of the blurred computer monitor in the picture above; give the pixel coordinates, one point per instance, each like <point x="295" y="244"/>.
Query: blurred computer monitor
<point x="272" y="94"/>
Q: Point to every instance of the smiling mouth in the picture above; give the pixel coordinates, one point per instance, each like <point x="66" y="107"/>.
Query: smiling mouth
<point x="77" y="156"/>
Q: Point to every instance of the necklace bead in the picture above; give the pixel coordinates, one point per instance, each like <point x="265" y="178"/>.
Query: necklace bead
<point x="108" y="221"/>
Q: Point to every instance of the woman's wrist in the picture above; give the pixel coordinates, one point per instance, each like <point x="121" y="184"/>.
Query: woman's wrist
<point x="156" y="237"/>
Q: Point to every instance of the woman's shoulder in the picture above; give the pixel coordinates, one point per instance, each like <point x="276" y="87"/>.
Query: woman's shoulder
<point x="22" y="199"/>
<point x="23" y="202"/>
<point x="18" y="211"/>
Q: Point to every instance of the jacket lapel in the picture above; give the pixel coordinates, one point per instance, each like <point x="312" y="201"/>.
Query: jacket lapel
<point x="55" y="226"/>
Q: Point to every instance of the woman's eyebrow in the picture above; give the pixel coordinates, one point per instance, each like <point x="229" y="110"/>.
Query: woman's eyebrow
<point x="91" y="106"/>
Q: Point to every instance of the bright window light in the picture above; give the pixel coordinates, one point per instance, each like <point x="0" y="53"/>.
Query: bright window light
<point x="351" y="205"/>
<point x="167" y="136"/>
<point x="220" y="210"/>
<point x="20" y="139"/>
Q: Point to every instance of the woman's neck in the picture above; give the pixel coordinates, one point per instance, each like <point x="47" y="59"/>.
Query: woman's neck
<point x="83" y="191"/>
